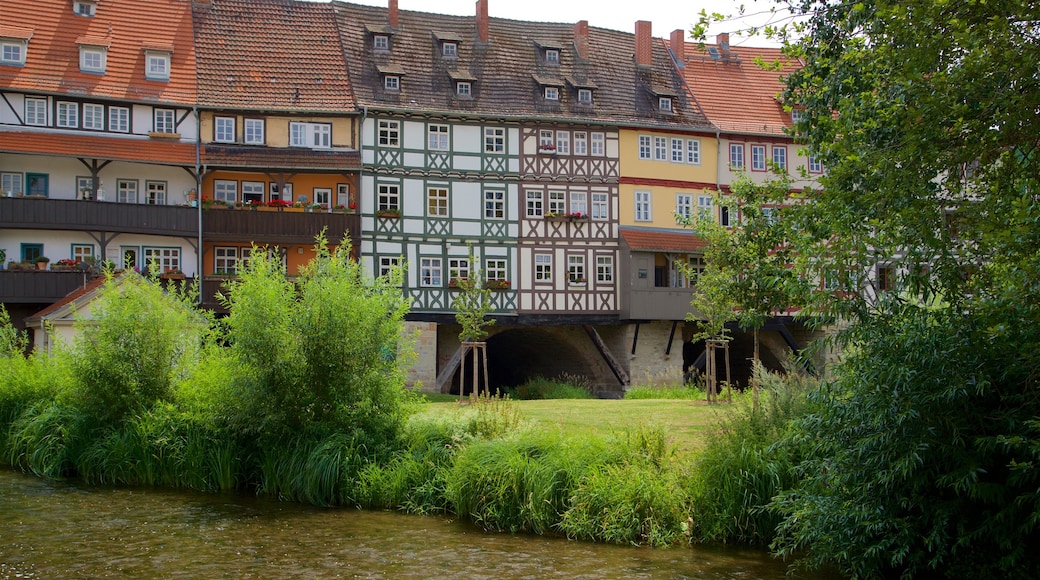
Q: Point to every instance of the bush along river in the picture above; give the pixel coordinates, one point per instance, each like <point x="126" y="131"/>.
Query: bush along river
<point x="52" y="529"/>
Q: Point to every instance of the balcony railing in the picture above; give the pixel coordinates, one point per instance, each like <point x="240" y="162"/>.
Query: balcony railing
<point x="39" y="287"/>
<point x="80" y="215"/>
<point x="277" y="227"/>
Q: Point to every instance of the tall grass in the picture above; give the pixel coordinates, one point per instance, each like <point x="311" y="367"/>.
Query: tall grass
<point x="742" y="468"/>
<point x="564" y="387"/>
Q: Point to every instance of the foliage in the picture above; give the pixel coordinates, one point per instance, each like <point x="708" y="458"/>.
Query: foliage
<point x="687" y="391"/>
<point x="924" y="447"/>
<point x="12" y="342"/>
<point x="137" y="340"/>
<point x="742" y="468"/>
<point x="543" y="388"/>
<point x="321" y="351"/>
<point x="473" y="303"/>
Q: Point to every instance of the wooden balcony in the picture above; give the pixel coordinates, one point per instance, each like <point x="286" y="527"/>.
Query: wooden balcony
<point x="97" y="216"/>
<point x="277" y="227"/>
<point x="38" y="286"/>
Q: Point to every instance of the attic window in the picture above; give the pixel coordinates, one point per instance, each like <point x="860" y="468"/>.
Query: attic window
<point x="665" y="104"/>
<point x="157" y="65"/>
<point x="84" y="8"/>
<point x="12" y="52"/>
<point x="464" y="89"/>
<point x="552" y="56"/>
<point x="381" y="42"/>
<point x="92" y="59"/>
<point x="552" y="93"/>
<point x="713" y="53"/>
<point x="449" y="49"/>
<point x="585" y="96"/>
<point x="392" y="82"/>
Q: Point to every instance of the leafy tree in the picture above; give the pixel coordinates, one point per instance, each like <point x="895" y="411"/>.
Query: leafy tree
<point x="926" y="445"/>
<point x="472" y="304"/>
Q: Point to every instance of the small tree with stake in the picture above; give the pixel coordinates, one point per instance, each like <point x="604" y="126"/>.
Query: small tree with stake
<point x="472" y="305"/>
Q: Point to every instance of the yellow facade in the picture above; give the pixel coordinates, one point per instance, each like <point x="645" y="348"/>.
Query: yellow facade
<point x="276" y="128"/>
<point x="659" y="168"/>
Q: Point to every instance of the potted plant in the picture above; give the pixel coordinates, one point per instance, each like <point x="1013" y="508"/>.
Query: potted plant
<point x="497" y="284"/>
<point x="41" y="262"/>
<point x="65" y="265"/>
<point x="389" y="213"/>
<point x="3" y="258"/>
<point x="546" y="148"/>
<point x="172" y="274"/>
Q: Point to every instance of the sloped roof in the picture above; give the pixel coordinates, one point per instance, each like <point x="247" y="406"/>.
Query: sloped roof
<point x="736" y="93"/>
<point x="73" y="300"/>
<point x="280" y="55"/>
<point x="678" y="242"/>
<point x="124" y="148"/>
<point x="125" y="27"/>
<point x="295" y="158"/>
<point x="508" y="70"/>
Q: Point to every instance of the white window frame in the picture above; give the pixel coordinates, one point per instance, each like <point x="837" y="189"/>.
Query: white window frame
<point x="392" y="82"/>
<point x="546" y="137"/>
<point x="552" y="56"/>
<point x="36" y="111"/>
<point x="758" y="158"/>
<point x="780" y="158"/>
<point x="67" y="116"/>
<point x="225" y="260"/>
<point x="579" y="203"/>
<point x="252" y="191"/>
<point x="705" y="207"/>
<point x="381" y="42"/>
<point x="322" y="196"/>
<point x="557" y="203"/>
<point x="155" y="192"/>
<point x="310" y="135"/>
<point x="119" y="119"/>
<point x="450" y="49"/>
<point x="585" y="96"/>
<point x="736" y="156"/>
<point x="388" y="133"/>
<point x="678" y="151"/>
<point x="563" y="142"/>
<point x="226" y="190"/>
<point x="92" y="59"/>
<point x="12" y="52"/>
<point x="645" y="150"/>
<point x="437" y="201"/>
<point x="224" y="129"/>
<point x="157" y="65"/>
<point x="543" y="268"/>
<point x="496" y="269"/>
<point x="494" y="204"/>
<point x="815" y="165"/>
<point x="253" y="131"/>
<point x="164" y="120"/>
<point x="168" y="258"/>
<point x="388" y="263"/>
<point x="535" y="203"/>
<point x="600" y="206"/>
<point x="598" y="144"/>
<point x="458" y="268"/>
<point x="576" y="274"/>
<point x="604" y="269"/>
<point x="82" y="252"/>
<point x="551" y="93"/>
<point x="683" y="206"/>
<point x="93" y="116"/>
<point x="660" y="149"/>
<point x="664" y="104"/>
<point x="581" y="143"/>
<point x="438" y="137"/>
<point x="464" y="89"/>
<point x="12" y="183"/>
<point x="494" y="140"/>
<point x="431" y="272"/>
<point x="388" y="197"/>
<point x="643" y="208"/>
<point x="126" y="190"/>
<point x="693" y="151"/>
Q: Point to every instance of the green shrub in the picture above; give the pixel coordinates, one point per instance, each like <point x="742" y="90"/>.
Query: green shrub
<point x="543" y="388"/>
<point x="43" y="440"/>
<point x="687" y="392"/>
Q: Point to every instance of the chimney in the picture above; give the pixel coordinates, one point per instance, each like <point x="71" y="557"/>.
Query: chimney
<point x="678" y="45"/>
<point x="482" y="20"/>
<point x="644" y="43"/>
<point x="391" y="15"/>
<point x="723" y="41"/>
<point x="581" y="39"/>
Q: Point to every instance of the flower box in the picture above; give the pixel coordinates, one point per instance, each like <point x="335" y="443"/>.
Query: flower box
<point x="389" y="213"/>
<point x="172" y="275"/>
<point x="497" y="284"/>
<point x="159" y="135"/>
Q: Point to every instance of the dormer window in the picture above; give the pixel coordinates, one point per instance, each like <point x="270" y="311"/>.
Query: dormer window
<point x="12" y="52"/>
<point x="392" y="82"/>
<point x="84" y="8"/>
<point x="552" y="93"/>
<point x="392" y="75"/>
<point x="664" y="104"/>
<point x="552" y="56"/>
<point x="381" y="42"/>
<point x="449" y="49"/>
<point x="585" y="96"/>
<point x="464" y="89"/>
<point x="92" y="59"/>
<point x="157" y="65"/>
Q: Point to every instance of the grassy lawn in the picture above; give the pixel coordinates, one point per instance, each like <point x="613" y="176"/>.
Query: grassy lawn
<point x="685" y="422"/>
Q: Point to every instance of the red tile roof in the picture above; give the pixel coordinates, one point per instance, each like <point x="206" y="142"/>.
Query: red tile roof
<point x="659" y="241"/>
<point x="272" y="54"/>
<point x="126" y="27"/>
<point x="737" y="94"/>
<point x="69" y="298"/>
<point x="160" y="152"/>
<point x="270" y="158"/>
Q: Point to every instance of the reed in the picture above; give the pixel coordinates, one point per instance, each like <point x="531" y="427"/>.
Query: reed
<point x="41" y="440"/>
<point x="566" y="387"/>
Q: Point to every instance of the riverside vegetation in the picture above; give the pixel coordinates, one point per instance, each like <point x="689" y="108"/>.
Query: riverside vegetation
<point x="298" y="394"/>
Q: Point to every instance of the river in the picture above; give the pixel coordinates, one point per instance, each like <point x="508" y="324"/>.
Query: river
<point x="69" y="530"/>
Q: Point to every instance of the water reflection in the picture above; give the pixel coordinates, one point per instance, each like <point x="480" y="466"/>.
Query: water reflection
<point x="54" y="530"/>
